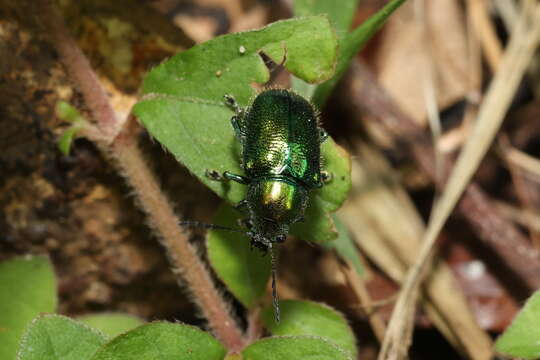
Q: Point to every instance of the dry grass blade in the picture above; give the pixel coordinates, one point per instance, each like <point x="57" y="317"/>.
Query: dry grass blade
<point x="517" y="57"/>
<point x="523" y="217"/>
<point x="525" y="174"/>
<point x="524" y="161"/>
<point x="430" y="86"/>
<point x="388" y="230"/>
<point x="483" y="26"/>
<point x="358" y="285"/>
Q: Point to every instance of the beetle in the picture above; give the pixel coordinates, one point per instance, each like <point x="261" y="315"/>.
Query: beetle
<point x="281" y="137"/>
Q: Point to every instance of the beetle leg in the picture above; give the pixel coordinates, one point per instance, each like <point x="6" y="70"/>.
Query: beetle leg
<point x="238" y="178"/>
<point x="323" y="135"/>
<point x="326" y="176"/>
<point x="231" y="103"/>
<point x="214" y="175"/>
<point x="246" y="223"/>
<point x="242" y="206"/>
<point x="238" y="128"/>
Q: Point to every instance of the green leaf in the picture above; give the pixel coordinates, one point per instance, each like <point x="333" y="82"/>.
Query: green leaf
<point x="345" y="246"/>
<point x="64" y="144"/>
<point x="53" y="337"/>
<point x="309" y="318"/>
<point x="183" y="103"/>
<point x="294" y="347"/>
<point x="245" y="272"/>
<point x="162" y="341"/>
<point x="349" y="44"/>
<point x="522" y="338"/>
<point x="319" y="226"/>
<point x="111" y="324"/>
<point x="340" y="17"/>
<point x="28" y="288"/>
<point x="70" y="114"/>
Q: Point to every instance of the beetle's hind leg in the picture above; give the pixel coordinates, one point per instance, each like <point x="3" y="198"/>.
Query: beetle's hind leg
<point x="235" y="177"/>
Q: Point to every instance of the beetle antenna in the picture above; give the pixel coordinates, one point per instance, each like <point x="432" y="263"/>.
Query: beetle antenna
<point x="196" y="224"/>
<point x="275" y="300"/>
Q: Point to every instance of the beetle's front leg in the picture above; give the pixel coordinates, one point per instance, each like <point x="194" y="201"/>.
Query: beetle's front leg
<point x="235" y="177"/>
<point x="237" y="120"/>
<point x="231" y="103"/>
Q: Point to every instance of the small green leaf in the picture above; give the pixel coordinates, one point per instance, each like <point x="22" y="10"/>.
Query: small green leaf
<point x="340" y="17"/>
<point x="337" y="162"/>
<point x="111" y="324"/>
<point x="244" y="271"/>
<point x="344" y="245"/>
<point x="522" y="338"/>
<point x="162" y="341"/>
<point x="349" y="45"/>
<point x="53" y="337"/>
<point x="183" y="103"/>
<point x="319" y="226"/>
<point x="294" y="347"/>
<point x="70" y="114"/>
<point x="27" y="288"/>
<point x="64" y="144"/>
<point x="309" y="318"/>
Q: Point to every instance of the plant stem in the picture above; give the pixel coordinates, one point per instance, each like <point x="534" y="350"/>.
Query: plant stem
<point x="79" y="69"/>
<point x="117" y="139"/>
<point x="181" y="253"/>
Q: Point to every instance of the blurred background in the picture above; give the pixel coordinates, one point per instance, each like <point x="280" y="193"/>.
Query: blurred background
<point x="431" y="64"/>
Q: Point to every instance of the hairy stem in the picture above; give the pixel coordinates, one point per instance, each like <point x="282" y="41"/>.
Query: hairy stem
<point x="181" y="253"/>
<point x="80" y="71"/>
<point x="114" y="137"/>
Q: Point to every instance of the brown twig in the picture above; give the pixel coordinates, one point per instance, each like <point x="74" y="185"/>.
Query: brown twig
<point x="116" y="138"/>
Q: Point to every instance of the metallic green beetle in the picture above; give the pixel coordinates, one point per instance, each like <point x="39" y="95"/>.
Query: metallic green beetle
<point x="281" y="138"/>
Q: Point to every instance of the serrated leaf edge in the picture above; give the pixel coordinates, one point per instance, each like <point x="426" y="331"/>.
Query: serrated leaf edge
<point x="323" y="339"/>
<point x="24" y="337"/>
